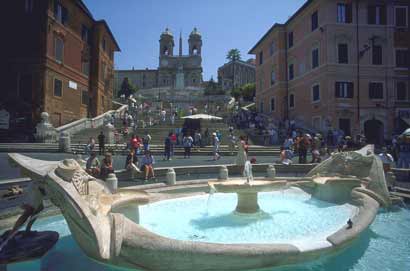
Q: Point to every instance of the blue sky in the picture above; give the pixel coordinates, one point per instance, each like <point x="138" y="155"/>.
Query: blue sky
<point x="224" y="24"/>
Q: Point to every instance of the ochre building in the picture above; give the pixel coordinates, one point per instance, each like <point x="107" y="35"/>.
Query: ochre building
<point x="338" y="65"/>
<point x="58" y="59"/>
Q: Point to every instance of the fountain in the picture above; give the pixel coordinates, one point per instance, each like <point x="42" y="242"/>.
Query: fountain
<point x="247" y="190"/>
<point x="350" y="185"/>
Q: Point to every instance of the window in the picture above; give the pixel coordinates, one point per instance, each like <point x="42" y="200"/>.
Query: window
<point x="315" y="58"/>
<point x="272" y="105"/>
<point x="376" y="15"/>
<point x="260" y="57"/>
<point x="85" y="34"/>
<point x="60" y="12"/>
<point x="342" y="53"/>
<point x="344" y="90"/>
<point x="402" y="58"/>
<point x="291" y="72"/>
<point x="59" y="49"/>
<point x="401" y="91"/>
<point x="272" y="77"/>
<point x="103" y="71"/>
<point x="290" y="39"/>
<point x="400" y="16"/>
<point x="85" y="67"/>
<point x="375" y="90"/>
<point x="261" y="106"/>
<point x="272" y="48"/>
<point x="314" y="19"/>
<point x="28" y="6"/>
<point x="377" y="55"/>
<point x="344" y="13"/>
<point x="315" y="93"/>
<point x="84" y="97"/>
<point x="58" y="88"/>
<point x="104" y="44"/>
<point x="291" y="101"/>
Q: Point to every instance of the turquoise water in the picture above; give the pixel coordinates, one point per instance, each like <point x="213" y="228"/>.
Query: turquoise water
<point x="289" y="216"/>
<point x="384" y="246"/>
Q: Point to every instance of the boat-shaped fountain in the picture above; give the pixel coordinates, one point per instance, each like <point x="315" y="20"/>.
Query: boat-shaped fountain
<point x="106" y="235"/>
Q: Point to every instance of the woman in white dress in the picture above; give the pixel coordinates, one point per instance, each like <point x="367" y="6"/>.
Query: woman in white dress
<point x="242" y="156"/>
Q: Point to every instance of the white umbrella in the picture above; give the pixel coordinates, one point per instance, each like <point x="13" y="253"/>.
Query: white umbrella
<point x="202" y="116"/>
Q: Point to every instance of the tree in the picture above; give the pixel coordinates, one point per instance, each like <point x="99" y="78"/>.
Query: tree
<point x="248" y="91"/>
<point x="127" y="88"/>
<point x="233" y="55"/>
<point x="236" y="93"/>
<point x="212" y="88"/>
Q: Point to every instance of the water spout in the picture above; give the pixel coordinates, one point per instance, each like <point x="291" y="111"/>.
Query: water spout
<point x="247" y="172"/>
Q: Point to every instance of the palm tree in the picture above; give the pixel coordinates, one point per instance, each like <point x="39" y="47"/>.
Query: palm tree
<point x="233" y="55"/>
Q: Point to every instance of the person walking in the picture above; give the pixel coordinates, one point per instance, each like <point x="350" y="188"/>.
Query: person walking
<point x="216" y="144"/>
<point x="168" y="147"/>
<point x="187" y="142"/>
<point x="232" y="143"/>
<point x="242" y="156"/>
<point x="146" y="140"/>
<point x="101" y="142"/>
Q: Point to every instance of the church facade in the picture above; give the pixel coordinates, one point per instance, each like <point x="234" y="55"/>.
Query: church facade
<point x="175" y="71"/>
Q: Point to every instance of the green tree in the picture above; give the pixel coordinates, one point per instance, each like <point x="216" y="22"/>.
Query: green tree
<point x="236" y="93"/>
<point x="233" y="55"/>
<point x="248" y="91"/>
<point x="127" y="88"/>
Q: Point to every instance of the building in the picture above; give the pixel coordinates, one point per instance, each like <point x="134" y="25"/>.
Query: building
<point x="238" y="71"/>
<point x="338" y="64"/>
<point x="58" y="59"/>
<point x="174" y="71"/>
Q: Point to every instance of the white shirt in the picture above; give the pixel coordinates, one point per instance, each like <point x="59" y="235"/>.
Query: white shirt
<point x="386" y="158"/>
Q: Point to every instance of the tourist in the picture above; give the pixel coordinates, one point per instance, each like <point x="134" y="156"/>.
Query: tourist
<point x="219" y="135"/>
<point x="174" y="140"/>
<point x="303" y="146"/>
<point x="404" y="149"/>
<point x="106" y="166"/>
<point x="387" y="159"/>
<point x="101" y="142"/>
<point x="146" y="140"/>
<point x="187" y="142"/>
<point x="168" y="147"/>
<point x="232" y="143"/>
<point x="135" y="144"/>
<point x="242" y="156"/>
<point x="288" y="142"/>
<point x="215" y="143"/>
<point x="147" y="165"/>
<point x="92" y="166"/>
<point x="316" y="146"/>
<point x="131" y="163"/>
<point x="172" y="118"/>
<point x="32" y="205"/>
<point x="206" y="135"/>
<point x="198" y="139"/>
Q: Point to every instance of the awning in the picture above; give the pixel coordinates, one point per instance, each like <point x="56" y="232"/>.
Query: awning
<point x="203" y="117"/>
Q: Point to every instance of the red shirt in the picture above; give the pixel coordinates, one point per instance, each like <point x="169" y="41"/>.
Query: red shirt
<point x="135" y="143"/>
<point x="173" y="138"/>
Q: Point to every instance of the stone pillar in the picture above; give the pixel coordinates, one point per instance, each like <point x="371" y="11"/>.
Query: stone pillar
<point x="271" y="172"/>
<point x="109" y="133"/>
<point x="112" y="182"/>
<point x="247" y="203"/>
<point x="64" y="144"/>
<point x="223" y="173"/>
<point x="171" y="177"/>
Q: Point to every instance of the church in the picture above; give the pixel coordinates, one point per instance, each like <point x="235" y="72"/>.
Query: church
<point x="175" y="71"/>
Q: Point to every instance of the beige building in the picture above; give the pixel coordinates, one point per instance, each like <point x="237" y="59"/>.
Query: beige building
<point x="175" y="71"/>
<point x="340" y="65"/>
<point x="240" y="72"/>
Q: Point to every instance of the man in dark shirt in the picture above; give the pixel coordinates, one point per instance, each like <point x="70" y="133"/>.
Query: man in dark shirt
<point x="101" y="142"/>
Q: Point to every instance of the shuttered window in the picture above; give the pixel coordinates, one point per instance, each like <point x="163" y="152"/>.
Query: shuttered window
<point x="377" y="55"/>
<point x="375" y="90"/>
<point x="376" y="15"/>
<point x="343" y="53"/>
<point x="344" y="90"/>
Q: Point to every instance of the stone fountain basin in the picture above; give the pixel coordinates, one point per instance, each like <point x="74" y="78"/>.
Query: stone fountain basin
<point x="241" y="186"/>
